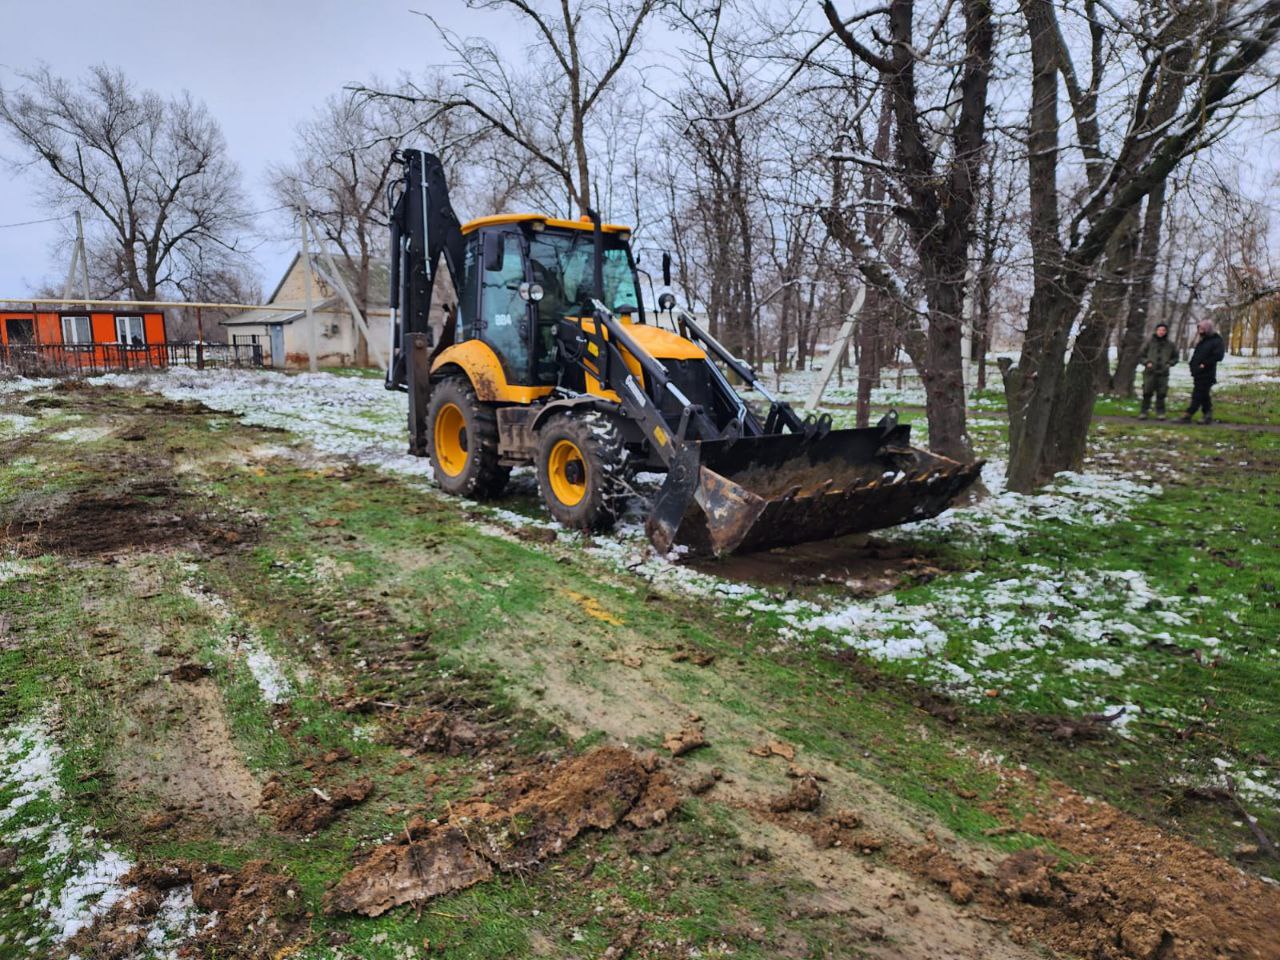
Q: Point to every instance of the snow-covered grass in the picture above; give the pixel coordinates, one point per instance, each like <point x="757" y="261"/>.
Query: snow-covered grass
<point x="981" y="632"/>
<point x="348" y="418"/>
<point x="16" y="424"/>
<point x="269" y="674"/>
<point x="73" y="876"/>
<point x="1047" y="636"/>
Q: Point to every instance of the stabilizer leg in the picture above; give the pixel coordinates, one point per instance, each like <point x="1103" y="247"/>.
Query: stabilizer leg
<point x="418" y="370"/>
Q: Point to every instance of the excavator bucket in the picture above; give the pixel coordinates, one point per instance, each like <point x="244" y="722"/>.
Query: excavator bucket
<point x="763" y="492"/>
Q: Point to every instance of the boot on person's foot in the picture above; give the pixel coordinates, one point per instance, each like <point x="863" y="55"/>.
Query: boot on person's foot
<point x="1208" y="419"/>
<point x="1185" y="419"/>
<point x="1142" y="415"/>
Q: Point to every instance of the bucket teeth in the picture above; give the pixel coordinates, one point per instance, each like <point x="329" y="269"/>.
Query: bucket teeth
<point x="764" y="492"/>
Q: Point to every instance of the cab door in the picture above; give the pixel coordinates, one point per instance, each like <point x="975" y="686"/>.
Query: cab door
<point x="503" y="320"/>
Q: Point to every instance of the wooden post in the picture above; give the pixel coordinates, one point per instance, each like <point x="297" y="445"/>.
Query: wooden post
<point x="313" y="343"/>
<point x="199" y="340"/>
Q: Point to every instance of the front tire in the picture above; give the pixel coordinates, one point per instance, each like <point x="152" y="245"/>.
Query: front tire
<point x="582" y="470"/>
<point x="463" y="442"/>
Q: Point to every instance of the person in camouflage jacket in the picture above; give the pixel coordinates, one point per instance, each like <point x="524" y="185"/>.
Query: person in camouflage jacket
<point x="1158" y="358"/>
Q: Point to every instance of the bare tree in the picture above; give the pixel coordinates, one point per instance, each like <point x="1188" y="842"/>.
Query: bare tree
<point x="724" y="182"/>
<point x="1191" y="64"/>
<point x="162" y="199"/>
<point x="934" y="189"/>
<point x="545" y="105"/>
<point x="343" y="163"/>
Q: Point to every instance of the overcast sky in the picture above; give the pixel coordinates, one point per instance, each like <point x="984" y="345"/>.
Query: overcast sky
<point x="260" y="65"/>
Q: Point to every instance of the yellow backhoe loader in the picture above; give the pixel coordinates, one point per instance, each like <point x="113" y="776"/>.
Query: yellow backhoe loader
<point x="550" y="359"/>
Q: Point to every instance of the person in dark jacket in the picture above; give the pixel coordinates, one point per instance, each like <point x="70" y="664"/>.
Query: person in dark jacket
<point x="1205" y="358"/>
<point x="1158" y="357"/>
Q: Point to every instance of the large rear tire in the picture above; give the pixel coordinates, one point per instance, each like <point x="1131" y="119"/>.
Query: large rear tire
<point x="582" y="470"/>
<point x="463" y="442"/>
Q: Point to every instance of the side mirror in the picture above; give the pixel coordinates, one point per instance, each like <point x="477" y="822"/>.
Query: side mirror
<point x="666" y="269"/>
<point x="666" y="300"/>
<point x="494" y="252"/>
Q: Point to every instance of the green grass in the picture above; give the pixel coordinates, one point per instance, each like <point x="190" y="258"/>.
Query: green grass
<point x="405" y="602"/>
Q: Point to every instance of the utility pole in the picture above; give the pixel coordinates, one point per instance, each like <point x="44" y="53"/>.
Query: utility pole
<point x="199" y="340"/>
<point x="838" y="348"/>
<point x="313" y="346"/>
<point x="335" y="282"/>
<point x="79" y="264"/>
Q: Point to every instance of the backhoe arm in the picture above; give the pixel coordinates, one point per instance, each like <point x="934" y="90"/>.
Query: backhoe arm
<point x="423" y="228"/>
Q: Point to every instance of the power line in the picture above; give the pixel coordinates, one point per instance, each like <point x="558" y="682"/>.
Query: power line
<point x="241" y="216"/>
<point x="28" y="223"/>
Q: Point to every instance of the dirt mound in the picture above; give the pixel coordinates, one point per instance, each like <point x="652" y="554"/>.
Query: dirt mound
<point x="805" y="795"/>
<point x="254" y="912"/>
<point x="435" y="731"/>
<point x="540" y="818"/>
<point x="1141" y="893"/>
<point x="316" y="809"/>
<point x="148" y="514"/>
<point x="1130" y="892"/>
<point x="259" y="912"/>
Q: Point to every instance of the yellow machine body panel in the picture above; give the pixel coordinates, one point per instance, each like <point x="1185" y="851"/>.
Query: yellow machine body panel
<point x="481" y="365"/>
<point x="658" y="343"/>
<point x="499" y="219"/>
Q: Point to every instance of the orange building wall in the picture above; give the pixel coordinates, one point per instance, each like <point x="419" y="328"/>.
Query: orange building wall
<point x="102" y="327"/>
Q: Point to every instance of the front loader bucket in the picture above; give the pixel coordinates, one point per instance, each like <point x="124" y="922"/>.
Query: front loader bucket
<point x="763" y="492"/>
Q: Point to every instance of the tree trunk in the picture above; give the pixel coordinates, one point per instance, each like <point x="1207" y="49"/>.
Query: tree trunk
<point x="1072" y="412"/>
<point x="1032" y="382"/>
<point x="1144" y="270"/>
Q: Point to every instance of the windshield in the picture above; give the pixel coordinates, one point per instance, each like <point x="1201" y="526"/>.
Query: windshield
<point x="562" y="263"/>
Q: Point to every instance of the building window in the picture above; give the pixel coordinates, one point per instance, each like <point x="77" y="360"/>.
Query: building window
<point x="129" y="331"/>
<point x="76" y="330"/>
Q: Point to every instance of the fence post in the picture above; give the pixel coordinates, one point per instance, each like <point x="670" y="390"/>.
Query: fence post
<point x="199" y="340"/>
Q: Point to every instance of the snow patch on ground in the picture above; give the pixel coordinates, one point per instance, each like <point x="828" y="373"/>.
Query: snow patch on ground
<point x="19" y="385"/>
<point x="268" y="673"/>
<point x="266" y="670"/>
<point x="15" y="424"/>
<point x="82" y="875"/>
<point x="1072" y="498"/>
<point x="14" y="570"/>
<point x="1252" y="784"/>
<point x="350" y="418"/>
<point x="1003" y="631"/>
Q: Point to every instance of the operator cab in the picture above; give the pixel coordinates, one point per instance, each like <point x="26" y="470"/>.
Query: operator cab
<point x="523" y="274"/>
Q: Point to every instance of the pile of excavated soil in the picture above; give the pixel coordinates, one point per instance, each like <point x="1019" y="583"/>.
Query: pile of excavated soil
<point x="316" y="809"/>
<point x="249" y="913"/>
<point x="1131" y="892"/>
<point x="542" y="814"/>
<point x="1142" y="893"/>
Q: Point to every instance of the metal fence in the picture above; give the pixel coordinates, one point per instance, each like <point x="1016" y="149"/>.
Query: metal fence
<point x="81" y="360"/>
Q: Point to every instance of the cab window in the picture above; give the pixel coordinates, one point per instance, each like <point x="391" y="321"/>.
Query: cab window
<point x="469" y="293"/>
<point x="503" y="313"/>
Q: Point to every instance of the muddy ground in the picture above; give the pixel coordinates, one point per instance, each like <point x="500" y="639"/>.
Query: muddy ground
<point x="476" y="746"/>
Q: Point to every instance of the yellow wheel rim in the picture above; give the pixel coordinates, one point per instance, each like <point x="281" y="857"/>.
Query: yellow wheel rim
<point x="568" y="473"/>
<point x="450" y="440"/>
